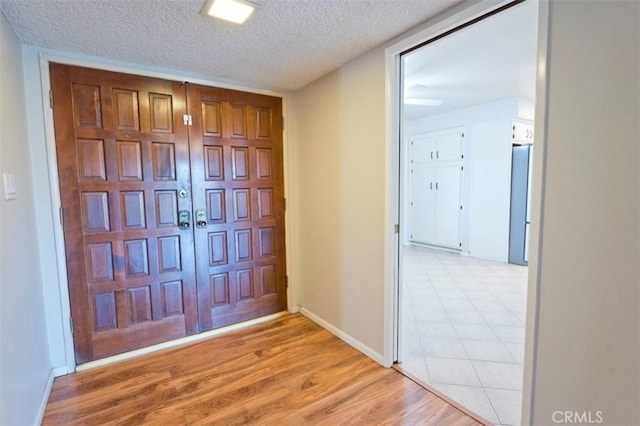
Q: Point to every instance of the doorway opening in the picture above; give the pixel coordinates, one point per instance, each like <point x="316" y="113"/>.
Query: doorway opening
<point x="467" y="133"/>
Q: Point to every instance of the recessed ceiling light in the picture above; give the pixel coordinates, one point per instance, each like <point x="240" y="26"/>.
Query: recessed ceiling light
<point x="236" y="11"/>
<point x="421" y="101"/>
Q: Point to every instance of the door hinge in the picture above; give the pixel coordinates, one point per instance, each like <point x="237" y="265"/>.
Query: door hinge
<point x="283" y="124"/>
<point x="71" y="324"/>
<point x="186" y="118"/>
<point x="460" y="207"/>
<point x="50" y="99"/>
<point x="286" y="281"/>
<point x="284" y="202"/>
<point x="396" y="228"/>
<point x="61" y="217"/>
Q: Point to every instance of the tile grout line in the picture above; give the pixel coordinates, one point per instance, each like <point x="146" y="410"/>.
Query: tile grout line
<point x="460" y="274"/>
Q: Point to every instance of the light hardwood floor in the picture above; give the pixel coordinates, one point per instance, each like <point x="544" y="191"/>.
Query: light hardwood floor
<point x="288" y="371"/>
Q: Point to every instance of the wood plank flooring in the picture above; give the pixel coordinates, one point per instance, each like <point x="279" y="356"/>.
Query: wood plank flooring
<point x="288" y="371"/>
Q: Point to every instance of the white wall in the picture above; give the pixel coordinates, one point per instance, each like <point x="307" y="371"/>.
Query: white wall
<point x="586" y="353"/>
<point x="490" y="190"/>
<point x="45" y="214"/>
<point x="24" y="353"/>
<point x="507" y="109"/>
<point x="340" y="143"/>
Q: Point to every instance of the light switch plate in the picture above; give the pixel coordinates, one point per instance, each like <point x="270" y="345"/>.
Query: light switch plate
<point x="9" y="186"/>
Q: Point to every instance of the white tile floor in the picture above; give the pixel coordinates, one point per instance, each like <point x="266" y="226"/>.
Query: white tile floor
<point x="462" y="329"/>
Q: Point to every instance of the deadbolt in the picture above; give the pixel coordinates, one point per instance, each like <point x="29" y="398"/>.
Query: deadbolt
<point x="184" y="219"/>
<point x="182" y="193"/>
<point x="201" y="219"/>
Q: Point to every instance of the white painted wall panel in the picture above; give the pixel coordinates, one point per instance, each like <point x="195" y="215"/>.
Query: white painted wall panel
<point x="340" y="123"/>
<point x="588" y="350"/>
<point x="490" y="195"/>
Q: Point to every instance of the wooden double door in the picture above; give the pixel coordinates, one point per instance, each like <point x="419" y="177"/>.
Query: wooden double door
<point x="173" y="207"/>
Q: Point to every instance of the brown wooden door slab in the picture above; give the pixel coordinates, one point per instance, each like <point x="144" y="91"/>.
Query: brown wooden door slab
<point x="131" y="171"/>
<point x="123" y="157"/>
<point x="238" y="192"/>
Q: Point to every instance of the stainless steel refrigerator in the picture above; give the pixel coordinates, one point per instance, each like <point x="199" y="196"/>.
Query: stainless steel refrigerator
<point x="520" y="219"/>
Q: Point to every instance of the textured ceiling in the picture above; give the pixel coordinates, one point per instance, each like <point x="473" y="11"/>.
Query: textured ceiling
<point x="489" y="61"/>
<point x="285" y="44"/>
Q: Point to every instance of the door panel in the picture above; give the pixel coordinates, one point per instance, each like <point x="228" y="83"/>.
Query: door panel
<point x="449" y="146"/>
<point x="169" y="229"/>
<point x="123" y="155"/>
<point x="447" y="211"/>
<point x="423" y="196"/>
<point x="238" y="188"/>
<point x="423" y="149"/>
<point x="435" y="205"/>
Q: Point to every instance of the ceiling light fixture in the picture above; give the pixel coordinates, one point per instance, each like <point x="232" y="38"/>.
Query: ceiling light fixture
<point x="236" y="11"/>
<point x="423" y="102"/>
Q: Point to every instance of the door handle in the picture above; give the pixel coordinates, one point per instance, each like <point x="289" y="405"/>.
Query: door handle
<point x="436" y="186"/>
<point x="201" y="219"/>
<point x="431" y="186"/>
<point x="184" y="219"/>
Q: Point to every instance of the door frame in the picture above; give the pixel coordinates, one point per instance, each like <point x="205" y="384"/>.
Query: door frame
<point x="54" y="187"/>
<point x="395" y="213"/>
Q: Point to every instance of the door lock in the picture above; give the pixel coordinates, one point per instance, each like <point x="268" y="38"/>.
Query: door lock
<point x="183" y="193"/>
<point x="201" y="218"/>
<point x="184" y="219"/>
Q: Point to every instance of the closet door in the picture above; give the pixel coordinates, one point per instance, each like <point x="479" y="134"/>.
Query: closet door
<point x="123" y="162"/>
<point x="449" y="146"/>
<point x="448" y="182"/>
<point x="238" y="200"/>
<point x="423" y="205"/>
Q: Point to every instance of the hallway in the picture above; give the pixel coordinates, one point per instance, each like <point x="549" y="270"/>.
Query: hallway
<point x="288" y="371"/>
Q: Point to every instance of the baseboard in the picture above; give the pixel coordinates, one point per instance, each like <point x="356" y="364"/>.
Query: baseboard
<point x="345" y="337"/>
<point x="61" y="371"/>
<point x="45" y="397"/>
<point x="177" y="342"/>
<point x="294" y="309"/>
<point x="437" y="247"/>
